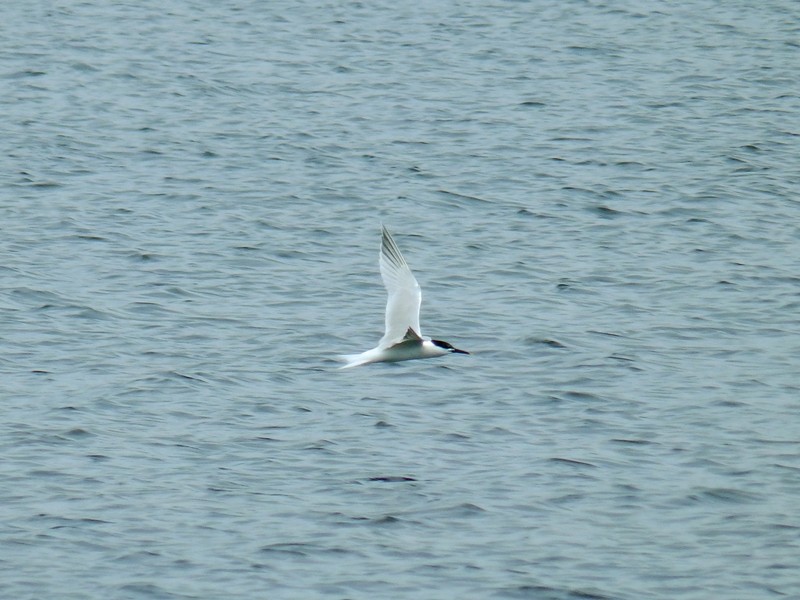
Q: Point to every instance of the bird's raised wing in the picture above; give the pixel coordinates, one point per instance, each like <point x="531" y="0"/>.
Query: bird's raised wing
<point x="405" y="295"/>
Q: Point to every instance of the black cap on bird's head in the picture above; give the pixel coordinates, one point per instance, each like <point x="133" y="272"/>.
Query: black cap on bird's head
<point x="447" y="346"/>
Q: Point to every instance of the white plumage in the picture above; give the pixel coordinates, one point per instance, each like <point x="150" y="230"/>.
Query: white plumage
<point x="402" y="339"/>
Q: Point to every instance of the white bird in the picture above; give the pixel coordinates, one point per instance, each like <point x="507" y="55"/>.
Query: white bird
<point x="403" y="338"/>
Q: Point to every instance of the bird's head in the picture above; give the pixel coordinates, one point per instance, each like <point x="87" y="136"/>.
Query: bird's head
<point x="448" y="347"/>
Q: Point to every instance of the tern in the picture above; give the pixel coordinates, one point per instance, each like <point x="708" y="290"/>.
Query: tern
<point x="403" y="338"/>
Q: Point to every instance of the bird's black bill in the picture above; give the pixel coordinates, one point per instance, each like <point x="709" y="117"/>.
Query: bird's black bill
<point x="448" y="347"/>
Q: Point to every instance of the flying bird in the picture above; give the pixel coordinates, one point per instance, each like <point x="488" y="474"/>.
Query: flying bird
<point x="403" y="337"/>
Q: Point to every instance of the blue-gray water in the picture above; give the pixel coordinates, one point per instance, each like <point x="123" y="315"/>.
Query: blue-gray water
<point x="600" y="201"/>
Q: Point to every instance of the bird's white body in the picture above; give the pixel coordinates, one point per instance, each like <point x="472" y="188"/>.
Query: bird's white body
<point x="409" y="350"/>
<point x="403" y="338"/>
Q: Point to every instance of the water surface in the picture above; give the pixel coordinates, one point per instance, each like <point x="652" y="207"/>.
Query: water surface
<point x="599" y="201"/>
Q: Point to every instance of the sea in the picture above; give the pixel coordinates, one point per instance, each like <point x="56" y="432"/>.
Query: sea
<point x="600" y="200"/>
